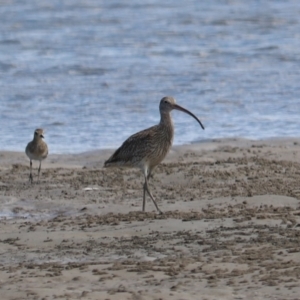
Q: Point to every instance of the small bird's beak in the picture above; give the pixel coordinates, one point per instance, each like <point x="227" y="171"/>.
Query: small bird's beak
<point x="178" y="107"/>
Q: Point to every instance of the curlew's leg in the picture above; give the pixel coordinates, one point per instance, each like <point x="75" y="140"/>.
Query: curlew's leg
<point x="39" y="170"/>
<point x="144" y="191"/>
<point x="144" y="196"/>
<point x="30" y="174"/>
<point x="146" y="188"/>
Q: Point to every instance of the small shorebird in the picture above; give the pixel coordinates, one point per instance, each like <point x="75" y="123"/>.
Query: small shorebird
<point x="147" y="148"/>
<point x="37" y="149"/>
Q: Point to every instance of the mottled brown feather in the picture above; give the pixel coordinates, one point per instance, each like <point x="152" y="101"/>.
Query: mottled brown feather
<point x="148" y="146"/>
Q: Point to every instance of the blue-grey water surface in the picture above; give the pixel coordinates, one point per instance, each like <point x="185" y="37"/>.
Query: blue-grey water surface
<point x="92" y="72"/>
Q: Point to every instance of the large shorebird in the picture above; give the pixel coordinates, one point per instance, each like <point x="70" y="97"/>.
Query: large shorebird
<point x="147" y="148"/>
<point x="37" y="149"/>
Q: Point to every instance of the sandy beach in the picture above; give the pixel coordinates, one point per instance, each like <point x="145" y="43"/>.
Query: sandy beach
<point x="230" y="228"/>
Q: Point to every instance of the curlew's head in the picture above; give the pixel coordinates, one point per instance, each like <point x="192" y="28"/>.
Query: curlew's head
<point x="169" y="103"/>
<point x="38" y="134"/>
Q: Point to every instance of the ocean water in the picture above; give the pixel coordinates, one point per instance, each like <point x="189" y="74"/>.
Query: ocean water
<point x="92" y="72"/>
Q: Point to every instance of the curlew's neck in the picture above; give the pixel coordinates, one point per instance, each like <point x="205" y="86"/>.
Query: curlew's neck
<point x="166" y="124"/>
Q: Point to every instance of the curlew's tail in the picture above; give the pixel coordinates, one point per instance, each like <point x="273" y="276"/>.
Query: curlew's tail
<point x="119" y="159"/>
<point x="107" y="164"/>
<point x="111" y="161"/>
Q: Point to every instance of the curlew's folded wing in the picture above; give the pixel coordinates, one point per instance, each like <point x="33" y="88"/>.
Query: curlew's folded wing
<point x="134" y="149"/>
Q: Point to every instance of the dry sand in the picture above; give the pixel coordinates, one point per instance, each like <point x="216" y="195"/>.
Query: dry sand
<point x="231" y="228"/>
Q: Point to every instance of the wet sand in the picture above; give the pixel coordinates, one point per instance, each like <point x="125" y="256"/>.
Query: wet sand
<point x="230" y="229"/>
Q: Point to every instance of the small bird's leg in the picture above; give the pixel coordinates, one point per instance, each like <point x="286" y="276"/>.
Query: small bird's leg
<point x="39" y="170"/>
<point x="30" y="175"/>
<point x="146" y="187"/>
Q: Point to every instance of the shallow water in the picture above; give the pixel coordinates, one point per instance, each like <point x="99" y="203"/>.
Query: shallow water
<point x="92" y="72"/>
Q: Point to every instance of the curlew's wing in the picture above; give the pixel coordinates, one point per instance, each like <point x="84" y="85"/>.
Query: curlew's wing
<point x="134" y="149"/>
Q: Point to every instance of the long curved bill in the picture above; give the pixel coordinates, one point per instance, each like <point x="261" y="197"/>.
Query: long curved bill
<point x="178" y="107"/>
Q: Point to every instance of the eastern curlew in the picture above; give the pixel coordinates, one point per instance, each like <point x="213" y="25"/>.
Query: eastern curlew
<point x="147" y="148"/>
<point x="37" y="149"/>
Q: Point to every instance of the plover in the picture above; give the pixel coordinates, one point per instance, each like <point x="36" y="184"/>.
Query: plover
<point x="37" y="149"/>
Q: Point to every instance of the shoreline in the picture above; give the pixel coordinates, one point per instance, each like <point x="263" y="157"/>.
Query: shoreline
<point x="90" y="157"/>
<point x="199" y="142"/>
<point x="230" y="227"/>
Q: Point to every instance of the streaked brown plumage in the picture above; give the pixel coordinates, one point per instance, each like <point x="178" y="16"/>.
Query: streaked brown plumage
<point x="37" y="149"/>
<point x="147" y="148"/>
